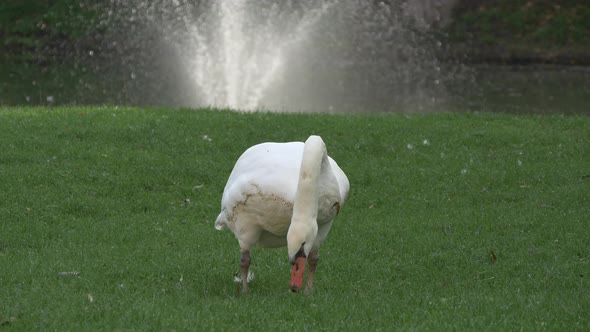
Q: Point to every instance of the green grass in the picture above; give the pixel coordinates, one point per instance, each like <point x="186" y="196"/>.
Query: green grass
<point x="45" y="48"/>
<point x="522" y="30"/>
<point x="454" y="222"/>
<point x="546" y="23"/>
<point x="30" y="24"/>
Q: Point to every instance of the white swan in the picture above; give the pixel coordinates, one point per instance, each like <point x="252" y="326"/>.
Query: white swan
<point x="283" y="194"/>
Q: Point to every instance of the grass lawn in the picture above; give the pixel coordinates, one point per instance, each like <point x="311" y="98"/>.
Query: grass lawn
<point x="454" y="222"/>
<point x="522" y="31"/>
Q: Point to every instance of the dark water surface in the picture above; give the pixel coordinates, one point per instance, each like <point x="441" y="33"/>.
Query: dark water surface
<point x="531" y="89"/>
<point x="492" y="88"/>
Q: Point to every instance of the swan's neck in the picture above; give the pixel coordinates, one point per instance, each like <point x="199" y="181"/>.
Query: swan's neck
<point x="305" y="206"/>
<point x="303" y="230"/>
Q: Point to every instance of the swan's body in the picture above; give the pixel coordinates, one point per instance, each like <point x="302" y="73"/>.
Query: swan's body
<point x="283" y="194"/>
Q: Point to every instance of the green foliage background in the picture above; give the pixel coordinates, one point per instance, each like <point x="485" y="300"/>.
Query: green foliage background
<point x="519" y="27"/>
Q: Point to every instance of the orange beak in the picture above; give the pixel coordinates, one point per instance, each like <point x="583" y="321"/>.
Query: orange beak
<point x="297" y="270"/>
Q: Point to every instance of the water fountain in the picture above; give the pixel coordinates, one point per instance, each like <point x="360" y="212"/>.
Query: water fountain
<point x="282" y="55"/>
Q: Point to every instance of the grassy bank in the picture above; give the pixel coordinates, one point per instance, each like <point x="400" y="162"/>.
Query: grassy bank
<point x="35" y="30"/>
<point x="455" y="222"/>
<point x="522" y="31"/>
<point x="512" y="31"/>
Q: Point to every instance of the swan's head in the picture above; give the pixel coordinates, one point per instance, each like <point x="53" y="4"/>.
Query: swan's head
<point x="300" y="240"/>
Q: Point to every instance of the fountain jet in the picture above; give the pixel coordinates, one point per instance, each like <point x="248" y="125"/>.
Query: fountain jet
<point x="292" y="55"/>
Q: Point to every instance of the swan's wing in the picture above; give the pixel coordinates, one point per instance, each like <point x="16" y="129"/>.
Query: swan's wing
<point x="268" y="168"/>
<point x="342" y="180"/>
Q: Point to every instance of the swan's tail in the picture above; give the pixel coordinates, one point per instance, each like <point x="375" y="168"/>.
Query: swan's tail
<point x="221" y="221"/>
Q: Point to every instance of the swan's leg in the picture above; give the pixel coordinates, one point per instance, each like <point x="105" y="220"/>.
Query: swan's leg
<point x="313" y="259"/>
<point x="248" y="235"/>
<point x="244" y="266"/>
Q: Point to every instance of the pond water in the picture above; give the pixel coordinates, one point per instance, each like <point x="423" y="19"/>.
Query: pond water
<point x="289" y="56"/>
<point x="489" y="88"/>
<point x="530" y="89"/>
